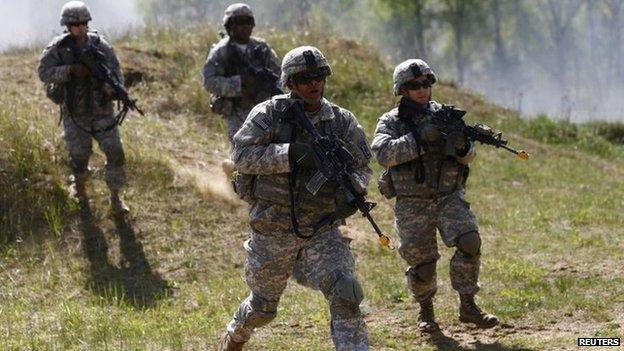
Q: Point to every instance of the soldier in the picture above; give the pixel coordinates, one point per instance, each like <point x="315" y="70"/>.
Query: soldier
<point x="428" y="181"/>
<point x="241" y="70"/>
<point x="86" y="103"/>
<point x="293" y="231"/>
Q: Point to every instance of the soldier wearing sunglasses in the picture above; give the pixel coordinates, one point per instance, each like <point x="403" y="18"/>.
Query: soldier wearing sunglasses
<point x="295" y="230"/>
<point x="234" y="88"/>
<point x="427" y="175"/>
<point x="86" y="103"/>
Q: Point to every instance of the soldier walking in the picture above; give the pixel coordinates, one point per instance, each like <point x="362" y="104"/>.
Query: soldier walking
<point x="293" y="231"/>
<point x="427" y="172"/>
<point x="86" y="103"/>
<point x="241" y="70"/>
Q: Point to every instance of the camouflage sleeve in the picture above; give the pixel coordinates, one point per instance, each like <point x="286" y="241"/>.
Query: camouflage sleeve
<point x="470" y="155"/>
<point x="214" y="77"/>
<point x="111" y="60"/>
<point x="391" y="149"/>
<point x="355" y="140"/>
<point x="253" y="151"/>
<point x="51" y="69"/>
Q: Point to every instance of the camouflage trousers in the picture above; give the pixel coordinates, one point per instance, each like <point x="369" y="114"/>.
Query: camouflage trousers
<point x="323" y="262"/>
<point x="79" y="145"/>
<point x="416" y="221"/>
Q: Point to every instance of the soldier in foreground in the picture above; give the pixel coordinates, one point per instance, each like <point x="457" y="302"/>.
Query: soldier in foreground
<point x="240" y="71"/>
<point x="86" y="103"/>
<point x="295" y="231"/>
<point x="427" y="172"/>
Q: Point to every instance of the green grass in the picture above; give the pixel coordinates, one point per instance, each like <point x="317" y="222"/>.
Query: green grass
<point x="172" y="276"/>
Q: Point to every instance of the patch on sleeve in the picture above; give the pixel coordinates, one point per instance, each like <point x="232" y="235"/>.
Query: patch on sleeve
<point x="261" y="121"/>
<point x="365" y="150"/>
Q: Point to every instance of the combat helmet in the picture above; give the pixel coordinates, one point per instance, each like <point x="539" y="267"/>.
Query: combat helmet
<point x="75" y="12"/>
<point x="301" y="59"/>
<point x="410" y="69"/>
<point x="236" y="10"/>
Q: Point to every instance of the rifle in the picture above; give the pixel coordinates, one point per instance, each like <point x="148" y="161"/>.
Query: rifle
<point x="450" y="123"/>
<point x="334" y="158"/>
<point x="94" y="60"/>
<point x="268" y="79"/>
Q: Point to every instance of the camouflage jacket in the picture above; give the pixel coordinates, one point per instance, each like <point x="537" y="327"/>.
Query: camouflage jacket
<point x="89" y="99"/>
<point x="261" y="148"/>
<point x="396" y="148"/>
<point x="223" y="79"/>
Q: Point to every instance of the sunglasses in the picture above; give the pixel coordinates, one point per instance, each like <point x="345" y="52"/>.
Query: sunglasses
<point x="417" y="85"/>
<point x="241" y="21"/>
<point x="78" y="24"/>
<point x="308" y="77"/>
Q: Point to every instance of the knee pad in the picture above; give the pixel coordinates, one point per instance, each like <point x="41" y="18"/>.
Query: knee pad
<point x="424" y="272"/>
<point x="470" y="244"/>
<point x="345" y="298"/>
<point x="256" y="311"/>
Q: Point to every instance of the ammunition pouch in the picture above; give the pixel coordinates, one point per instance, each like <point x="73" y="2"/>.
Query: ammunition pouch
<point x="243" y="185"/>
<point x="451" y="176"/>
<point x="220" y="105"/>
<point x="55" y="92"/>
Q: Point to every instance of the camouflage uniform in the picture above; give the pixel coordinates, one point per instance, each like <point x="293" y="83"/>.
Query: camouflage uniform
<point x="274" y="253"/>
<point x="222" y="77"/>
<point x="436" y="202"/>
<point x="91" y="110"/>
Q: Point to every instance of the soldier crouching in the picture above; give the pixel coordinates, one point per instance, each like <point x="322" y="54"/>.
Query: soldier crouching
<point x="295" y="232"/>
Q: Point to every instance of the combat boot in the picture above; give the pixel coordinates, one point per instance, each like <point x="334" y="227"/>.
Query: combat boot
<point x="426" y="317"/>
<point x="227" y="344"/>
<point x="469" y="312"/>
<point x="118" y="206"/>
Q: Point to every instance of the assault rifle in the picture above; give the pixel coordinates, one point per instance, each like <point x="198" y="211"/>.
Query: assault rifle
<point x="266" y="78"/>
<point x="94" y="60"/>
<point x="450" y="123"/>
<point x="334" y="157"/>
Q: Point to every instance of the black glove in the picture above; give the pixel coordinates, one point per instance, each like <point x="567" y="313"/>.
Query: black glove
<point x="344" y="209"/>
<point x="303" y="155"/>
<point x="462" y="145"/>
<point x="79" y="70"/>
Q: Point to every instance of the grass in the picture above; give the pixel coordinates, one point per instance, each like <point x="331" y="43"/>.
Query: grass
<point x="171" y="277"/>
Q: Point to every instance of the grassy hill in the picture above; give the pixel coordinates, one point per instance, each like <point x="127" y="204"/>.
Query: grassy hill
<point x="171" y="277"/>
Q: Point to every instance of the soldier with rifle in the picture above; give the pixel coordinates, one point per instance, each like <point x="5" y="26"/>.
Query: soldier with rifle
<point x="303" y="167"/>
<point x="81" y="73"/>
<point x="240" y="70"/>
<point x="426" y="148"/>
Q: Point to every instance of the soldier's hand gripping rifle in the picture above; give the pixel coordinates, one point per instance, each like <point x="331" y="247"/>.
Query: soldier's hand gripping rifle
<point x="334" y="159"/>
<point x="449" y="121"/>
<point x="267" y="79"/>
<point x="94" y="60"/>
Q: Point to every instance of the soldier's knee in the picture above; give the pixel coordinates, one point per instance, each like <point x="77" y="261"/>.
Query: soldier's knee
<point x="424" y="272"/>
<point x="261" y="311"/>
<point x="470" y="244"/>
<point x="345" y="297"/>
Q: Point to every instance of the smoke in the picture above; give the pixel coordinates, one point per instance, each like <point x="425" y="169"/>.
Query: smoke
<point x="34" y="22"/>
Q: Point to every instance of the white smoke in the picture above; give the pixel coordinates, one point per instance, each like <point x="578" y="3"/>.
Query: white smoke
<point x="33" y="22"/>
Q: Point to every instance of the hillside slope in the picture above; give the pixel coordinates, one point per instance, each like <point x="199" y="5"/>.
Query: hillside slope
<point x="171" y="276"/>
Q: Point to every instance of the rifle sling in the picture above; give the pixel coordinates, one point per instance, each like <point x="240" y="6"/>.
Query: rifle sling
<point x="292" y="181"/>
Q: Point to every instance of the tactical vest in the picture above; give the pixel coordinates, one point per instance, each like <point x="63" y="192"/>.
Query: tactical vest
<point x="249" y="98"/>
<point x="442" y="173"/>
<point x="87" y="91"/>
<point x="274" y="188"/>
